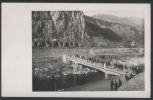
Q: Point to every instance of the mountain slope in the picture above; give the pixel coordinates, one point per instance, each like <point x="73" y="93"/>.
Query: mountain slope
<point x="96" y="31"/>
<point x="124" y="32"/>
<point x="132" y="21"/>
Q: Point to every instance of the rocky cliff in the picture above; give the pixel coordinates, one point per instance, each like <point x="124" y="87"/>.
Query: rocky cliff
<point x="74" y="26"/>
<point x="63" y="25"/>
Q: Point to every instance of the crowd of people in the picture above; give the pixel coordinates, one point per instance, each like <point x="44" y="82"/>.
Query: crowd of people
<point x="93" y="60"/>
<point x="115" y="84"/>
<point x="104" y="63"/>
<point x="115" y="64"/>
<point x="133" y="71"/>
<point x="120" y="66"/>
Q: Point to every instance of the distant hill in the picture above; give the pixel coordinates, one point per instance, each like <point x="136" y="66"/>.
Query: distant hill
<point x="94" y="30"/>
<point x="132" y="21"/>
<point x="117" y="31"/>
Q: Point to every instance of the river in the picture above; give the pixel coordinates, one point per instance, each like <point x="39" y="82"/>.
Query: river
<point x="100" y="85"/>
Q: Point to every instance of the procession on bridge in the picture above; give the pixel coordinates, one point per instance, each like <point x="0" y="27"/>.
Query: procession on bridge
<point x="114" y="68"/>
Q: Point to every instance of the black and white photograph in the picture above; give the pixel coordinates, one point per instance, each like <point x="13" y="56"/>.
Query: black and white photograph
<point x="88" y="51"/>
<point x="93" y="50"/>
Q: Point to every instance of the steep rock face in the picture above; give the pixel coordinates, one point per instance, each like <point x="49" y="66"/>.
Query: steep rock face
<point x="63" y="25"/>
<point x="43" y="25"/>
<point x="69" y="23"/>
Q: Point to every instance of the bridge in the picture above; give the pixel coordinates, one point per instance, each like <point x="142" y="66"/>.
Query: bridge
<point x="98" y="66"/>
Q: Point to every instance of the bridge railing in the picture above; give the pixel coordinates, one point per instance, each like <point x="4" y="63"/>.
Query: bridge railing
<point x="96" y="65"/>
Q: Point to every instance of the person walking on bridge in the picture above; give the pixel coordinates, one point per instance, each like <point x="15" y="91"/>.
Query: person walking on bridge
<point x="104" y="65"/>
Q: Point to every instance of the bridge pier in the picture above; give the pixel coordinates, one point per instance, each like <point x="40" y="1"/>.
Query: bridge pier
<point x="106" y="76"/>
<point x="64" y="58"/>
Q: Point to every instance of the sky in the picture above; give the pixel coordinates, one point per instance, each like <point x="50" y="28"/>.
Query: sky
<point x="137" y="14"/>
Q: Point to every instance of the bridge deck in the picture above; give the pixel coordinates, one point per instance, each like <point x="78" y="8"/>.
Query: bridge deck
<point x="97" y="66"/>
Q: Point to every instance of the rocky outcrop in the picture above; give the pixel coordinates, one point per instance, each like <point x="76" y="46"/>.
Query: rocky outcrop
<point x="64" y="25"/>
<point x="59" y="28"/>
<point x="42" y="25"/>
<point x="69" y="24"/>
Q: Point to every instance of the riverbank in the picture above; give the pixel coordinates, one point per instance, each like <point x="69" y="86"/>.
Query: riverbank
<point x="134" y="84"/>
